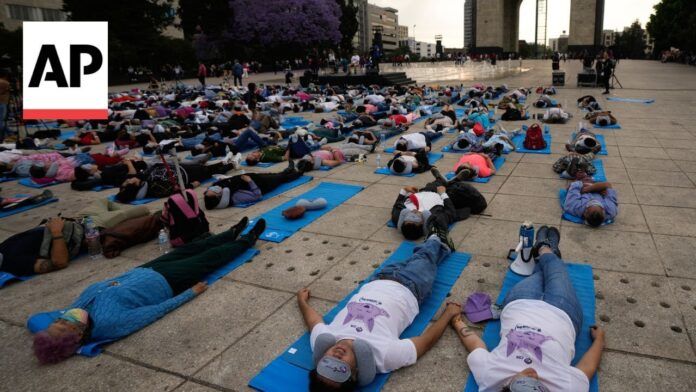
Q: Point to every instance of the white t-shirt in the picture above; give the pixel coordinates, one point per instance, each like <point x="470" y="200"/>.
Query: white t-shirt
<point x="374" y="99"/>
<point x="377" y="314"/>
<point x="355" y="59"/>
<point x="426" y="200"/>
<point x="416" y="141"/>
<point x="534" y="335"/>
<point x="327" y="106"/>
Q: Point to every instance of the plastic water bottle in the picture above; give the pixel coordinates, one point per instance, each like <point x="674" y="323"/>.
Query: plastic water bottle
<point x="382" y="140"/>
<point x="379" y="161"/>
<point x="94" y="249"/>
<point x="163" y="241"/>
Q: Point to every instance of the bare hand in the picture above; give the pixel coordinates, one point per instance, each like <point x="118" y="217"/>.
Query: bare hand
<point x="453" y="309"/>
<point x="55" y="226"/>
<point x="411" y="189"/>
<point x="597" y="333"/>
<point x="246" y="178"/>
<point x="457" y="322"/>
<point x="303" y="295"/>
<point x="199" y="288"/>
<point x="441" y="189"/>
<point x="587" y="188"/>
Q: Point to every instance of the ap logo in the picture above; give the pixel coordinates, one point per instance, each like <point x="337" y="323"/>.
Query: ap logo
<point x="65" y="70"/>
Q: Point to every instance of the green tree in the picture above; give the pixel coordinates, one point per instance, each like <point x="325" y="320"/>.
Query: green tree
<point x="673" y="25"/>
<point x="11" y="48"/>
<point x="630" y="44"/>
<point x="348" y="26"/>
<point x="135" y="28"/>
<point x="211" y="16"/>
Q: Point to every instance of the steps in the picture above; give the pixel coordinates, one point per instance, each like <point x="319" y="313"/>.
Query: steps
<point x="384" y="79"/>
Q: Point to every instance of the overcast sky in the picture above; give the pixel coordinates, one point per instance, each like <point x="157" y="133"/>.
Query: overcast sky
<point x="445" y="17"/>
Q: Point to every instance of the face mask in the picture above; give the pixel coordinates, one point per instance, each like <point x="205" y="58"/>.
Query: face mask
<point x="75" y="316"/>
<point x="334" y="369"/>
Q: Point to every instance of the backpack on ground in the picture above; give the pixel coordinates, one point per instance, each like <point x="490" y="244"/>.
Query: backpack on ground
<point x="184" y="218"/>
<point x="534" y="140"/>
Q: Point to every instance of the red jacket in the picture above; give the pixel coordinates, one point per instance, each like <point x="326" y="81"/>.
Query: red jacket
<point x="202" y="71"/>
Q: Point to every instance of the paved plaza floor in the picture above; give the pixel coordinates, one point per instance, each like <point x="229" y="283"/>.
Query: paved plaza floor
<point x="644" y="264"/>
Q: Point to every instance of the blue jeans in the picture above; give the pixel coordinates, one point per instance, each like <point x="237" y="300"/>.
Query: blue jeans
<point x="549" y="283"/>
<point x="193" y="141"/>
<point x="419" y="271"/>
<point x="243" y="139"/>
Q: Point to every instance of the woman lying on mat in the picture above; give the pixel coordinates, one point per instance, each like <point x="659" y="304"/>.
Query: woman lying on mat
<point x="118" y="307"/>
<point x="246" y="188"/>
<point x="363" y="339"/>
<point x="540" y="320"/>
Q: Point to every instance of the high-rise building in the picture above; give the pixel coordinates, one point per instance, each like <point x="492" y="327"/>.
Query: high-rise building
<point x="559" y="44"/>
<point x="469" y="24"/>
<point x="401" y="33"/>
<point x="371" y="17"/>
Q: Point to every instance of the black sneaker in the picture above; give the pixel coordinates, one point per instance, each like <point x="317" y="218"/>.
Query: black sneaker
<point x="239" y="227"/>
<point x="255" y="231"/>
<point x="443" y="235"/>
<point x="291" y="165"/>
<point x="438" y="176"/>
<point x="465" y="174"/>
<point x="547" y="236"/>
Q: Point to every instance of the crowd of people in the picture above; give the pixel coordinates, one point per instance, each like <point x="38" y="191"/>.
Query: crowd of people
<point x="158" y="143"/>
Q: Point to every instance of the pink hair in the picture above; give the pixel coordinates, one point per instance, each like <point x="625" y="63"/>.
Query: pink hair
<point x="53" y="349"/>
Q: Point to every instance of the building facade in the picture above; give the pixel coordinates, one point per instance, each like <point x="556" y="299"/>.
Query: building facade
<point x="401" y="33"/>
<point x="14" y="12"/>
<point x="372" y="17"/>
<point x="422" y="49"/>
<point x="559" y="44"/>
<point x="608" y="38"/>
<point x="469" y="25"/>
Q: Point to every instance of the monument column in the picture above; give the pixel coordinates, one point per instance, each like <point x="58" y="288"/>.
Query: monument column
<point x="586" y="22"/>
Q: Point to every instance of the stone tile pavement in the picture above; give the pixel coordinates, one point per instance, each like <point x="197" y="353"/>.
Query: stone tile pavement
<point x="644" y="265"/>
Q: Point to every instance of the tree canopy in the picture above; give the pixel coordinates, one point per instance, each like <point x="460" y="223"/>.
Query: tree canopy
<point x="630" y="43"/>
<point x="674" y="25"/>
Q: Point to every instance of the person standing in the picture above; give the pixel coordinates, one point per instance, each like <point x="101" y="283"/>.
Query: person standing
<point x="202" y="73"/>
<point x="4" y="102"/>
<point x="237" y="72"/>
<point x="606" y="69"/>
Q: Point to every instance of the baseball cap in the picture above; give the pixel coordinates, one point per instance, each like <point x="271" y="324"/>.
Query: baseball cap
<point x="364" y="358"/>
<point x="478" y="307"/>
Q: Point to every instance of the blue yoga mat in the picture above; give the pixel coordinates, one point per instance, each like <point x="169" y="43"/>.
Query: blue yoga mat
<point x="600" y="139"/>
<point x="40" y="321"/>
<point x="519" y="145"/>
<point x="138" y="202"/>
<point x="100" y="188"/>
<point x="385" y="171"/>
<point x="290" y="122"/>
<point x="31" y="184"/>
<point x="646" y="101"/>
<point x="289" y="371"/>
<point x="583" y="282"/>
<point x="562" y="193"/>
<point x="600" y="175"/>
<point x="17" y="210"/>
<point x="278" y="228"/>
<point x="498" y="163"/>
<point x="64" y="135"/>
<point x="6" y="179"/>
<point x="260" y="164"/>
<point x="280" y="189"/>
<point x="615" y="126"/>
<point x="6" y="277"/>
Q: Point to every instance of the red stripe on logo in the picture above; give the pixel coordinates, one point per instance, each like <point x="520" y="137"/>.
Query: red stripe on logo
<point x="65" y="114"/>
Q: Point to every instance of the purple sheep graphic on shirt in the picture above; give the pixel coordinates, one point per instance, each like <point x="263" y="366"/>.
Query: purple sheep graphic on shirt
<point x="365" y="313"/>
<point x="528" y="340"/>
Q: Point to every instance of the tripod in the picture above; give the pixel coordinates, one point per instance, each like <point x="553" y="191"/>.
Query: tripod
<point x="614" y="79"/>
<point x="14" y="111"/>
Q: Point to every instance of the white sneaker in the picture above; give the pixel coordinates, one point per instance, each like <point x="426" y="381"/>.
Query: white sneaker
<point x="323" y="141"/>
<point x="228" y="158"/>
<point x="237" y="160"/>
